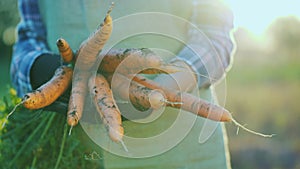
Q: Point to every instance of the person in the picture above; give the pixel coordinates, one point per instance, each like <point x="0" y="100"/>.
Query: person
<point x="205" y="52"/>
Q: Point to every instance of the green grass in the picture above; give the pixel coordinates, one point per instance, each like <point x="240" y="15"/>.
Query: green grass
<point x="37" y="139"/>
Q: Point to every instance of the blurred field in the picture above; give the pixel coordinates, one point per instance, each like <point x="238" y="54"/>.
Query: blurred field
<point x="263" y="92"/>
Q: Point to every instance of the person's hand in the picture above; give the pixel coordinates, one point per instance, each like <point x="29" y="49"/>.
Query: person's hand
<point x="185" y="80"/>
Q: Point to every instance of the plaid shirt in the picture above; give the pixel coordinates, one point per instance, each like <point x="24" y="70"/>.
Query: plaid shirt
<point x="210" y="44"/>
<point x="208" y="49"/>
<point x="30" y="44"/>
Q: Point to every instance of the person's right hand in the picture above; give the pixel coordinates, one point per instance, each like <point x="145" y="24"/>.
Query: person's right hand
<point x="185" y="80"/>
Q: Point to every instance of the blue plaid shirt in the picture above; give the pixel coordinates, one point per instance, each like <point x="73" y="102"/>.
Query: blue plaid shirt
<point x="31" y="43"/>
<point x="208" y="50"/>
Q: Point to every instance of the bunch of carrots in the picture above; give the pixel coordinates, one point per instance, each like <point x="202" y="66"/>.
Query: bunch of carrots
<point x="143" y="93"/>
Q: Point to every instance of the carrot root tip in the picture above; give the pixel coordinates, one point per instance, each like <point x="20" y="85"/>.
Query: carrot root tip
<point x="70" y="131"/>
<point x="111" y="7"/>
<point x="124" y="146"/>
<point x="10" y="113"/>
<point x="250" y="131"/>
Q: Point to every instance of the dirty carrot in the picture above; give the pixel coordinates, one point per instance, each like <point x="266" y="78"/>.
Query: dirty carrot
<point x="134" y="60"/>
<point x="195" y="105"/>
<point x="106" y="106"/>
<point x="188" y="101"/>
<point x="47" y="93"/>
<point x="140" y="96"/>
<point x="77" y="97"/>
<point x="89" y="49"/>
<point x="50" y="91"/>
<point x="65" y="50"/>
<point x="163" y="69"/>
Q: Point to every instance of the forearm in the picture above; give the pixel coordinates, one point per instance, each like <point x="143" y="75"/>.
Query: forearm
<point x="210" y="44"/>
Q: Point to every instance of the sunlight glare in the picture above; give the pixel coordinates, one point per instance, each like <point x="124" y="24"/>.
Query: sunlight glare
<point x="257" y="15"/>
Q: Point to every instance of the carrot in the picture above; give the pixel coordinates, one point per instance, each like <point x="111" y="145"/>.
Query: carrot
<point x="47" y="93"/>
<point x="65" y="50"/>
<point x="134" y="61"/>
<point x="50" y="91"/>
<point x="140" y="96"/>
<point x="77" y="97"/>
<point x="163" y="69"/>
<point x="89" y="49"/>
<point x="195" y="105"/>
<point x="189" y="102"/>
<point x="106" y="106"/>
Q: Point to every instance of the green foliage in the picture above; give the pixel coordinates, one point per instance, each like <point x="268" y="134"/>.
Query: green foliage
<point x="9" y="17"/>
<point x="38" y="139"/>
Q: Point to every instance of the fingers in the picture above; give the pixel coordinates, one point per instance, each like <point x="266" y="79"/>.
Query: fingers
<point x="184" y="80"/>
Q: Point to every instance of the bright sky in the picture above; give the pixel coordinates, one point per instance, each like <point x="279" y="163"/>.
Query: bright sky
<point x="256" y="15"/>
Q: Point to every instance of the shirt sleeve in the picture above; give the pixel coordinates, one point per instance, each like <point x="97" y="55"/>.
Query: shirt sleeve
<point x="31" y="43"/>
<point x="210" y="44"/>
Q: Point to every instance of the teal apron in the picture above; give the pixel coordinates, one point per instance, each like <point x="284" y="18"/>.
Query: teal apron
<point x="167" y="138"/>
